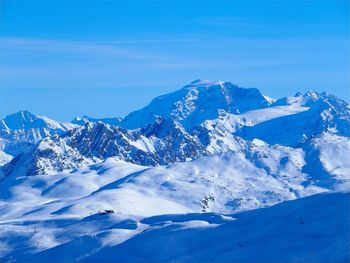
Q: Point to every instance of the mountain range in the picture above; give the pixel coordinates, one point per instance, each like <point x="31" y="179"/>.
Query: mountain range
<point x="210" y="147"/>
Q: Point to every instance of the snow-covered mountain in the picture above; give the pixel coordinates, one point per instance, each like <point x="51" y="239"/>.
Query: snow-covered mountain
<point x="199" y="101"/>
<point x="326" y="113"/>
<point x="24" y="125"/>
<point x="210" y="147"/>
<point x="293" y="121"/>
<point x="20" y="130"/>
<point x="163" y="142"/>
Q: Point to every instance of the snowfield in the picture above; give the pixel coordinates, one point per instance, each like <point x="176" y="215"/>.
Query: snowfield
<point x="312" y="229"/>
<point x="223" y="183"/>
<point x="209" y="173"/>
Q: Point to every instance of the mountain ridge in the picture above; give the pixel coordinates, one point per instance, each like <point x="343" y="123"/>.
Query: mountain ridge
<point x="167" y="140"/>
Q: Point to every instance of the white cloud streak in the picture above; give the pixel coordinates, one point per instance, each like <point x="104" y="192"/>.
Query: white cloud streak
<point x="94" y="48"/>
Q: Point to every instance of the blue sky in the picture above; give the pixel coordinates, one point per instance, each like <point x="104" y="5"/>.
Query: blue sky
<point x="106" y="58"/>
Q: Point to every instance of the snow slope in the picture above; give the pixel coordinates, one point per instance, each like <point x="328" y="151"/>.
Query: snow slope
<point x="326" y="113"/>
<point x="312" y="229"/>
<point x="255" y="175"/>
<point x="4" y="157"/>
<point x="261" y="115"/>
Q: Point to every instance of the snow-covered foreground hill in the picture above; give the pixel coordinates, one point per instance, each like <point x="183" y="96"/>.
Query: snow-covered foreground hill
<point x="211" y="172"/>
<point x="58" y="216"/>
<point x="256" y="175"/>
<point x="312" y="229"/>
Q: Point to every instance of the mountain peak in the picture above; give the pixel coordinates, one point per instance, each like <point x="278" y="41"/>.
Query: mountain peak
<point x="23" y="128"/>
<point x="198" y="101"/>
<point x="298" y="94"/>
<point x="314" y="95"/>
<point x="23" y="114"/>
<point x="204" y="82"/>
<point x="20" y="120"/>
<point x="25" y="120"/>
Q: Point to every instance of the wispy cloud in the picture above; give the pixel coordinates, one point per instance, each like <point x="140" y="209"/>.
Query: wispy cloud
<point x="150" y="41"/>
<point x="63" y="63"/>
<point x="90" y="48"/>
